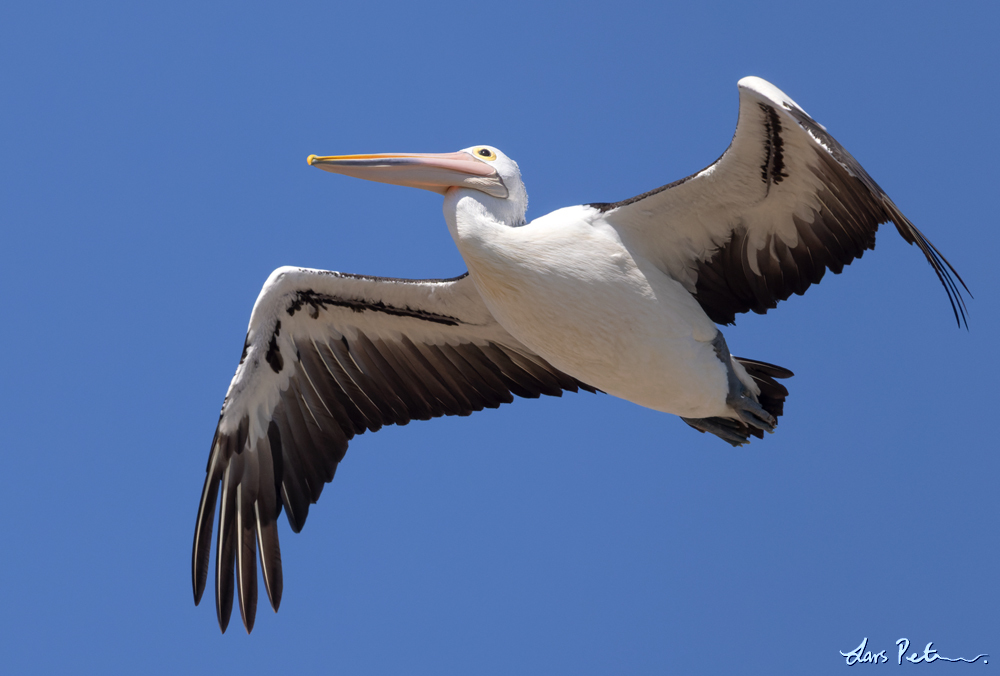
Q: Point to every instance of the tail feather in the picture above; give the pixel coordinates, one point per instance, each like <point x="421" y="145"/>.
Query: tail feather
<point x="772" y="393"/>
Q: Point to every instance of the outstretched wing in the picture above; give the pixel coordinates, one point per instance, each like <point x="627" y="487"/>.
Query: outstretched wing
<point x="328" y="356"/>
<point x="783" y="204"/>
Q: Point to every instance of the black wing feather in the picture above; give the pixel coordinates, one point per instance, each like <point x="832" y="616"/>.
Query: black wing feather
<point x="784" y="177"/>
<point x="334" y="380"/>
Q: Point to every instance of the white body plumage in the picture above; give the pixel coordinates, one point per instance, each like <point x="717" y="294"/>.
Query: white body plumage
<point x="568" y="288"/>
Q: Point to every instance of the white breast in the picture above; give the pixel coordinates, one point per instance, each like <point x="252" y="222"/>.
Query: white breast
<point x="567" y="287"/>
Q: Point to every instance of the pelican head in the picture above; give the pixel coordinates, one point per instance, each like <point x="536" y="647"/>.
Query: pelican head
<point x="479" y="168"/>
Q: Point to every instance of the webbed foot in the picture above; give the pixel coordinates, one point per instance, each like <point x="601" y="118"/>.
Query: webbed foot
<point x="750" y="411"/>
<point x="727" y="429"/>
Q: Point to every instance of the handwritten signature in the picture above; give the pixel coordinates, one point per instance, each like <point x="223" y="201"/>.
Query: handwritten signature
<point x="861" y="655"/>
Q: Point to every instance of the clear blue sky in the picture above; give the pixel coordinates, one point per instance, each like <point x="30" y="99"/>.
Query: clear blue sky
<point x="153" y="173"/>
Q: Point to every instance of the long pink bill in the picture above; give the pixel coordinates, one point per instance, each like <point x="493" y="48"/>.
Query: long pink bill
<point x="430" y="171"/>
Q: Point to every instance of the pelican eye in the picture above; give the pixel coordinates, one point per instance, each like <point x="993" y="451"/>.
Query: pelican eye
<point x="486" y="153"/>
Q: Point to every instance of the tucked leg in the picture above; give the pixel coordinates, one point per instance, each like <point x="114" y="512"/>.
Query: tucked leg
<point x="743" y="403"/>
<point x="740" y="398"/>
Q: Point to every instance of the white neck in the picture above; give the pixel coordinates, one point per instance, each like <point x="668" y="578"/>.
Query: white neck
<point x="474" y="215"/>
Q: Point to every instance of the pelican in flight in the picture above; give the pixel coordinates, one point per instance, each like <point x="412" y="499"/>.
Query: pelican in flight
<point x="620" y="297"/>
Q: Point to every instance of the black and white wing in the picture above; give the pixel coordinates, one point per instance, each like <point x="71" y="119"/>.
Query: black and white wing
<point x="328" y="356"/>
<point x="783" y="204"/>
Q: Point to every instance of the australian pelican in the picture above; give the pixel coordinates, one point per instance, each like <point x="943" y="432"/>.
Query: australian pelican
<point x="622" y="298"/>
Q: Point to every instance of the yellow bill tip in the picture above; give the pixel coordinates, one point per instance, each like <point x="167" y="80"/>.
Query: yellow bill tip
<point x="311" y="159"/>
